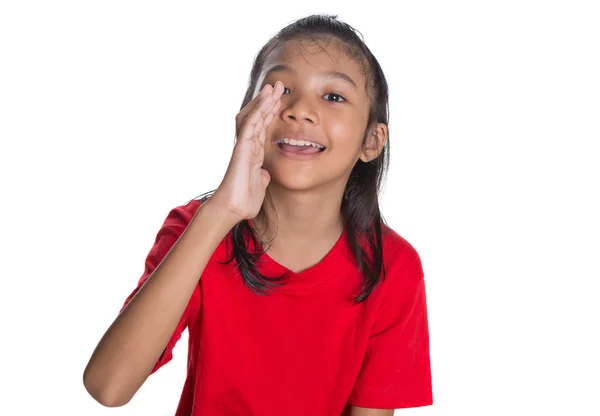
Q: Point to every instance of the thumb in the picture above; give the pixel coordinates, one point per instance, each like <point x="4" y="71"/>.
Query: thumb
<point x="265" y="178"/>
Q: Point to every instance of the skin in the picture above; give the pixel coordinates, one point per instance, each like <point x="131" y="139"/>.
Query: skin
<point x="362" y="411"/>
<point x="306" y="197"/>
<point x="307" y="194"/>
<point x="129" y="349"/>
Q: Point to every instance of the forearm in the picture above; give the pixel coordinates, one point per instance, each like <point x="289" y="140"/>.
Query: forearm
<point x="132" y="345"/>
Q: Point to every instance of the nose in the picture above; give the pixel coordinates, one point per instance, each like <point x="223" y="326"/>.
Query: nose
<point x="300" y="111"/>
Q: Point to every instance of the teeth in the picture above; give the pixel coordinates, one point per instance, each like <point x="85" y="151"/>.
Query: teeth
<point x="295" y="142"/>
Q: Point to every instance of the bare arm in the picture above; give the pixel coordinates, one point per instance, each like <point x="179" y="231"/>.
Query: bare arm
<point x="363" y="411"/>
<point x="128" y="351"/>
<point x="131" y="346"/>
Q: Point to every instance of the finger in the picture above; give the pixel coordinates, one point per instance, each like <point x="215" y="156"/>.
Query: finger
<point x="258" y="115"/>
<point x="275" y="90"/>
<point x="278" y="89"/>
<point x="241" y="117"/>
<point x="265" y="123"/>
<point x="272" y="113"/>
<point x="258" y="128"/>
<point x="262" y="134"/>
<point x="248" y="108"/>
<point x="255" y="120"/>
<point x="265" y="178"/>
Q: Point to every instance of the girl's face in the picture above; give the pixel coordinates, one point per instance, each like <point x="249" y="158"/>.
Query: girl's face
<point x="324" y="101"/>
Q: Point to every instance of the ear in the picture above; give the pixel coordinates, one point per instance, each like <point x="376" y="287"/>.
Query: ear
<point x="374" y="143"/>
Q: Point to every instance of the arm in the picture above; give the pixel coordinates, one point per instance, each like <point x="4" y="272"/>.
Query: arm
<point x="127" y="353"/>
<point x="363" y="411"/>
<point x="131" y="346"/>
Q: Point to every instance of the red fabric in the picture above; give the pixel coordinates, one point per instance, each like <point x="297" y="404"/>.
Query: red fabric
<point x="305" y="349"/>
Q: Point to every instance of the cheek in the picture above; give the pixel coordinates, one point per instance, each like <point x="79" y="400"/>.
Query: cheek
<point x="339" y="131"/>
<point x="346" y="134"/>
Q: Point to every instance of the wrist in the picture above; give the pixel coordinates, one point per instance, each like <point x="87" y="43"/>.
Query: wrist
<point x="220" y="214"/>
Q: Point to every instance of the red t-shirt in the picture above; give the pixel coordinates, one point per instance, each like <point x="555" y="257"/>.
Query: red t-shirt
<point x="304" y="349"/>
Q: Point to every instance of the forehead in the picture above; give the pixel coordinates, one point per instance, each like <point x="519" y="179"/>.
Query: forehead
<point x="319" y="55"/>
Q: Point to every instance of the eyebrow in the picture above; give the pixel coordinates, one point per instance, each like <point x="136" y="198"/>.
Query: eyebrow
<point x="326" y="74"/>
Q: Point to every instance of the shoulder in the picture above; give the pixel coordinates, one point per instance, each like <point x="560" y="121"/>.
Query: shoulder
<point x="396" y="249"/>
<point x="401" y="260"/>
<point x="180" y="216"/>
<point x="176" y="223"/>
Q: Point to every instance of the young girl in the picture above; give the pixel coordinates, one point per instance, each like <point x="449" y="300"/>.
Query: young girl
<point x="298" y="299"/>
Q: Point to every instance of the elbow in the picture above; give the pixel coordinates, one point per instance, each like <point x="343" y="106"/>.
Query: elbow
<point x="106" y="393"/>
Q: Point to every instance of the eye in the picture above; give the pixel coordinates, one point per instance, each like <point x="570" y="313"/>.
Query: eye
<point x="336" y="98"/>
<point x="272" y="84"/>
<point x="333" y="96"/>
<point x="284" y="89"/>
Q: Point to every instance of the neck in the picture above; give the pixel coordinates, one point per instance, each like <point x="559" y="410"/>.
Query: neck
<point x="300" y="215"/>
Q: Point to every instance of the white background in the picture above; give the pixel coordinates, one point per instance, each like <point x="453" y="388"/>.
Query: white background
<point x="114" y="112"/>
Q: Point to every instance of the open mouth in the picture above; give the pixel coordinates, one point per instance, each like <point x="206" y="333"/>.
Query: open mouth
<point x="299" y="146"/>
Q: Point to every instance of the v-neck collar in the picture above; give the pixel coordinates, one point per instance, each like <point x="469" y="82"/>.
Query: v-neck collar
<point x="333" y="264"/>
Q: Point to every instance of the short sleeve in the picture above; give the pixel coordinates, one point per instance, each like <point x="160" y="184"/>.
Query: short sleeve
<point x="172" y="228"/>
<point x="396" y="370"/>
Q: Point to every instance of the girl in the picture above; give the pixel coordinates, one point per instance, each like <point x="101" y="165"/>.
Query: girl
<point x="298" y="299"/>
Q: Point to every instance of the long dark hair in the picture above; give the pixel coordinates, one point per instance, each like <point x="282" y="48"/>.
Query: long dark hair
<point x="360" y="206"/>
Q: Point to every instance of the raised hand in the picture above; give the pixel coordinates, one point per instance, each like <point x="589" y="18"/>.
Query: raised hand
<point x="243" y="187"/>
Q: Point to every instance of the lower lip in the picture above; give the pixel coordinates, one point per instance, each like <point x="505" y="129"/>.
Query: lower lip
<point x="297" y="156"/>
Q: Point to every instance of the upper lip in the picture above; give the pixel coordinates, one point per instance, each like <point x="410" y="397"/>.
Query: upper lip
<point x="297" y="136"/>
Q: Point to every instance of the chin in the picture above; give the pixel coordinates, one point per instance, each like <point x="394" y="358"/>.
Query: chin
<point x="293" y="181"/>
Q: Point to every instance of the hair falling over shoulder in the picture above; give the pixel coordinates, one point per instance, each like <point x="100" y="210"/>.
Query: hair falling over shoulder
<point x="360" y="210"/>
